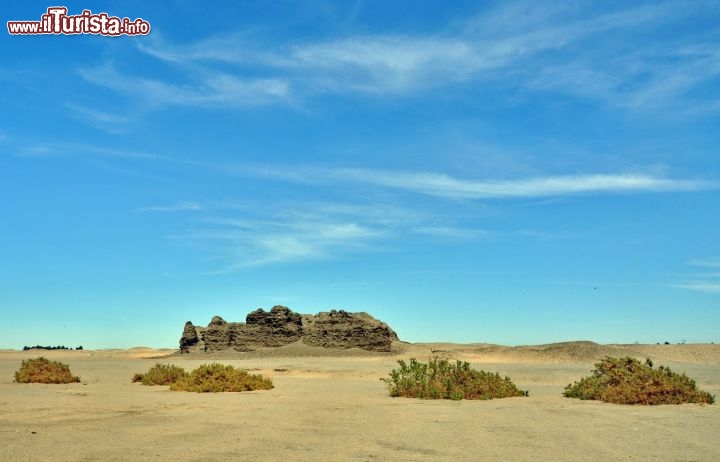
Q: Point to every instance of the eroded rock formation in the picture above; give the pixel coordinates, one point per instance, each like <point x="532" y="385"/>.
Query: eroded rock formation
<point x="281" y="326"/>
<point x="340" y="329"/>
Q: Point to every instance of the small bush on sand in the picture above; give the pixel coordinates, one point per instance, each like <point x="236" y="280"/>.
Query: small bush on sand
<point x="42" y="370"/>
<point x="218" y="377"/>
<point x="440" y="379"/>
<point x="160" y="374"/>
<point x="628" y="381"/>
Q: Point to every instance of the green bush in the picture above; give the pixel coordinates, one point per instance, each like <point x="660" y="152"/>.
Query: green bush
<point x="218" y="378"/>
<point x="160" y="374"/>
<point x="628" y="381"/>
<point x="440" y="379"/>
<point x="42" y="370"/>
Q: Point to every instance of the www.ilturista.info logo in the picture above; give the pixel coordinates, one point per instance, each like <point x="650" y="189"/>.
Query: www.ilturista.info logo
<point x="57" y="22"/>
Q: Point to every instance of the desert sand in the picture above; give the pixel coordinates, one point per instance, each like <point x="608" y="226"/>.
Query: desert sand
<point x="334" y="407"/>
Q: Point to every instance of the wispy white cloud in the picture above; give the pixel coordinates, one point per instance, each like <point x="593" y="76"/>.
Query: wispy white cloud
<point x="209" y="89"/>
<point x="78" y="149"/>
<point x="181" y="206"/>
<point x="321" y="230"/>
<point x="545" y="235"/>
<point x="703" y="282"/>
<point x="397" y="63"/>
<point x="707" y="275"/>
<point x="554" y="47"/>
<point x="118" y="168"/>
<point x="654" y="73"/>
<point x="241" y="237"/>
<point x="126" y="162"/>
<point x="701" y="286"/>
<point x="108" y="121"/>
<point x="386" y="64"/>
<point x="651" y="78"/>
<point x="453" y="232"/>
<point x="446" y="186"/>
<point x="35" y="151"/>
<point x="706" y="262"/>
<point x="450" y="187"/>
<point x="231" y="48"/>
<point x="281" y="238"/>
<point x="481" y="51"/>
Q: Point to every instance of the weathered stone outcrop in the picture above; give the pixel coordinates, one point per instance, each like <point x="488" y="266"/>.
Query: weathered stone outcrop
<point x="218" y="334"/>
<point x="338" y="329"/>
<point x="189" y="338"/>
<point x="281" y="326"/>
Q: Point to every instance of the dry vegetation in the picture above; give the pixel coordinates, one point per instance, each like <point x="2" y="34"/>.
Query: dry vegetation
<point x="440" y="379"/>
<point x="160" y="374"/>
<point x="206" y="378"/>
<point x="219" y="378"/>
<point x="42" y="370"/>
<point x="628" y="381"/>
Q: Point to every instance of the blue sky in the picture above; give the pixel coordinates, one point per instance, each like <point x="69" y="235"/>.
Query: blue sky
<point x="505" y="172"/>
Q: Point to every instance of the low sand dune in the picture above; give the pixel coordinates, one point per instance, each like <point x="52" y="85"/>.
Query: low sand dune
<point x="334" y="407"/>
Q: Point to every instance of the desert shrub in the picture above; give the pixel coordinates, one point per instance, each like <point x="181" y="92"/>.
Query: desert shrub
<point x="628" y="381"/>
<point x="42" y="370"/>
<point x="160" y="374"/>
<point x="218" y="377"/>
<point x="440" y="379"/>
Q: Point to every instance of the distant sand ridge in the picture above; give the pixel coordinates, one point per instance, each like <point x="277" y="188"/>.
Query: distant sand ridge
<point x="282" y="327"/>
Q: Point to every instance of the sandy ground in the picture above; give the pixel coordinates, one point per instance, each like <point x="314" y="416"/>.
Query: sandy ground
<point x="336" y="408"/>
